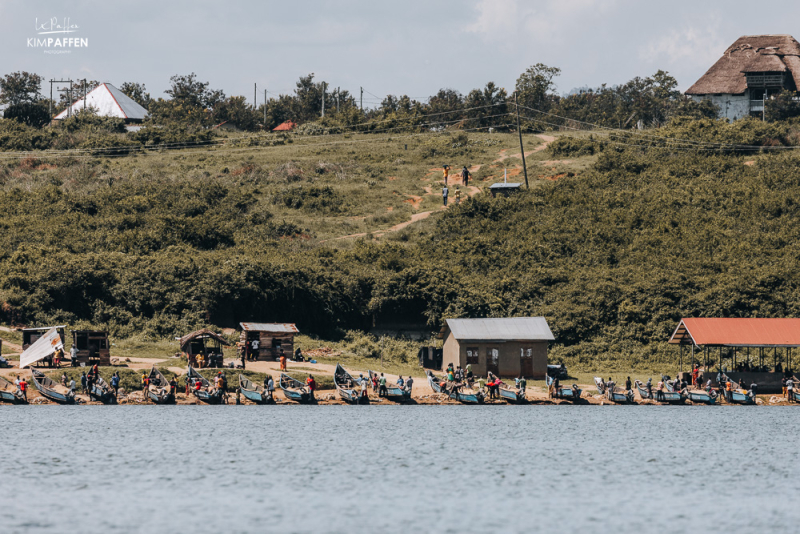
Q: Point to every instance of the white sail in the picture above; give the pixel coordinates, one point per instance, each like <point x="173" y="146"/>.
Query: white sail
<point x="43" y="347"/>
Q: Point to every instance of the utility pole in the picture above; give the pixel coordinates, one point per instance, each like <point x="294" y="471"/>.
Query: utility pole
<point x="255" y="102"/>
<point x="521" y="148"/>
<point x="323" y="99"/>
<point x="338" y="89"/>
<point x="265" y="108"/>
<point x="362" y="99"/>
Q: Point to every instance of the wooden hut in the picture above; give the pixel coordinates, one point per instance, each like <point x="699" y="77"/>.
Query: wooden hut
<point x="93" y="347"/>
<point x="506" y="347"/>
<point x="204" y="342"/>
<point x="271" y="339"/>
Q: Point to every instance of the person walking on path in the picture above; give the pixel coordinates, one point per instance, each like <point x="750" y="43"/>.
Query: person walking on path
<point x="283" y="362"/>
<point x="465" y="176"/>
<point x="458" y="196"/>
<point x="444" y="195"/>
<point x="73" y="356"/>
<point x="382" y="383"/>
<point x="254" y="349"/>
<point x="445" y="173"/>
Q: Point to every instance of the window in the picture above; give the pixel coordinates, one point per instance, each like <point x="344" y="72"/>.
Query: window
<point x="526" y="352"/>
<point x="472" y="355"/>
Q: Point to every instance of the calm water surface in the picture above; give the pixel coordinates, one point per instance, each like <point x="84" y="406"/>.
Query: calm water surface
<point x="401" y="469"/>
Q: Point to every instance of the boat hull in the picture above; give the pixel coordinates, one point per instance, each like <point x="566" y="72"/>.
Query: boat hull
<point x="735" y="397"/>
<point x="702" y="398"/>
<point x="54" y="396"/>
<point x="209" y="398"/>
<point x="6" y="396"/>
<point x="161" y="398"/>
<point x="511" y="396"/>
<point x="106" y="397"/>
<point x="254" y="396"/>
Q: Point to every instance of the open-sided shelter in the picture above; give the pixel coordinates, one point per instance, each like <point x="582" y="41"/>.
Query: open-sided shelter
<point x="204" y="342"/>
<point x="507" y="347"/>
<point x="30" y="335"/>
<point x="93" y="346"/>
<point x="754" y="349"/>
<point x="271" y="338"/>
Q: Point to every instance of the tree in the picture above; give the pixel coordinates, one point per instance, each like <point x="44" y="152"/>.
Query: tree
<point x="445" y="106"/>
<point x="535" y="87"/>
<point x="19" y="87"/>
<point x="235" y="110"/>
<point x="137" y="92"/>
<point x="34" y="114"/>
<point x="187" y="91"/>
<point x="482" y="106"/>
<point x="782" y="106"/>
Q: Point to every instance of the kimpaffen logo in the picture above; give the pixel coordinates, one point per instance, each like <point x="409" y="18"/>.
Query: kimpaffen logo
<point x="58" y="29"/>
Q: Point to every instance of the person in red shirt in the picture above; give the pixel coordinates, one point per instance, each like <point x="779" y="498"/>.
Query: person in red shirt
<point x="312" y="385"/>
<point x="23" y="387"/>
<point x="197" y="385"/>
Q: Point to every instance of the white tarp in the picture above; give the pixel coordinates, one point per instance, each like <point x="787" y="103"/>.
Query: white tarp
<point x="44" y="347"/>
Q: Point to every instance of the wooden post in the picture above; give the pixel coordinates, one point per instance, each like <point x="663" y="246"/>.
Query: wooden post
<point x="521" y="148"/>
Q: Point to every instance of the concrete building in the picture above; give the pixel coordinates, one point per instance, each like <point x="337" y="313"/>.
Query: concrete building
<point x="750" y="70"/>
<point x="506" y="347"/>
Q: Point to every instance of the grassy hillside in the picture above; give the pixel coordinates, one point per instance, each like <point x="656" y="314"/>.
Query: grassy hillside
<point x="613" y="243"/>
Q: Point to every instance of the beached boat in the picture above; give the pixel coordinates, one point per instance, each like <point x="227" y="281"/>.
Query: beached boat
<point x="738" y="396"/>
<point x="159" y="390"/>
<point x="701" y="397"/>
<point x="10" y="393"/>
<point x="617" y="395"/>
<point x="512" y="396"/>
<point x="572" y="392"/>
<point x="254" y="392"/>
<point x="293" y="390"/>
<point x="102" y="392"/>
<point x="670" y="397"/>
<point x="51" y="389"/>
<point x="347" y="386"/>
<point x="206" y="393"/>
<point x="464" y="395"/>
<point x="393" y="391"/>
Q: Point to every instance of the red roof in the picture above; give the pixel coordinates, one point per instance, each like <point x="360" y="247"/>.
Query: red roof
<point x="738" y="332"/>
<point x="284" y="127"/>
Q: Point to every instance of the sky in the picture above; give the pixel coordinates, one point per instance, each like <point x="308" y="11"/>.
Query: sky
<point x="411" y="47"/>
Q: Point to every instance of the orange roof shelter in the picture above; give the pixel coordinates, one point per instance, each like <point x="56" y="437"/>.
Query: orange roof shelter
<point x="734" y="334"/>
<point x="287" y="126"/>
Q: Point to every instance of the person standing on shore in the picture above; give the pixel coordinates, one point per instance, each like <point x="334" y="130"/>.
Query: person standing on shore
<point x="649" y="387"/>
<point x="409" y="384"/>
<point x="223" y="384"/>
<point x="83" y="382"/>
<point x="364" y="391"/>
<point x="115" y="383"/>
<point x="72" y="387"/>
<point x="522" y="385"/>
<point x="23" y="387"/>
<point x="271" y="388"/>
<point x="73" y="355"/>
<point x="254" y="349"/>
<point x="57" y="356"/>
<point x="469" y="375"/>
<point x="283" y="361"/>
<point x="312" y="386"/>
<point x="628" y="384"/>
<point x="382" y="382"/>
<point x="173" y="387"/>
<point x="790" y="389"/>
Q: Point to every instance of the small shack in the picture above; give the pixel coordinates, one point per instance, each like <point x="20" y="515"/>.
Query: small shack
<point x="270" y="338"/>
<point x="507" y="347"/>
<point x="93" y="347"/>
<point x="287" y="126"/>
<point x="30" y="335"/>
<point x="752" y="349"/>
<point x="504" y="189"/>
<point x="206" y="343"/>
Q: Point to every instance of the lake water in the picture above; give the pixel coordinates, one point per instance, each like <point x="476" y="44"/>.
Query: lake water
<point x="194" y="469"/>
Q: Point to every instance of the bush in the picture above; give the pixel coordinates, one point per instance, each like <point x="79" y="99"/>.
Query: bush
<point x="314" y="199"/>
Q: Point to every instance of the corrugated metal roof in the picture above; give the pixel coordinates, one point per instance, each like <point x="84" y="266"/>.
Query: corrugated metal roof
<point x="38" y="328"/>
<point x="109" y="102"/>
<point x="503" y="185"/>
<point x="283" y="328"/>
<point x="738" y="332"/>
<point x="501" y="329"/>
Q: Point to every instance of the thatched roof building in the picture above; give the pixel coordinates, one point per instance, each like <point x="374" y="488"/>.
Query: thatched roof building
<point x="750" y="70"/>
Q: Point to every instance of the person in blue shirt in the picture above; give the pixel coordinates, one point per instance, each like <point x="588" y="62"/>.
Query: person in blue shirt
<point x="115" y="382"/>
<point x="400" y="382"/>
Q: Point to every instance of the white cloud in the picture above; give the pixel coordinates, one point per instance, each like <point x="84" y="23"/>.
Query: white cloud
<point x="691" y="46"/>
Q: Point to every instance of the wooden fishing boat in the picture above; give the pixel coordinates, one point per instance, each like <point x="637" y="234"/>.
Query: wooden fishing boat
<point x="572" y="392"/>
<point x="393" y="391"/>
<point x="464" y="395"/>
<point x="51" y="389"/>
<point x="253" y="392"/>
<point x="738" y="396"/>
<point x="206" y="393"/>
<point x="670" y="397"/>
<point x="347" y="386"/>
<point x="701" y="397"/>
<point x="10" y="393"/>
<point x="159" y="390"/>
<point x="102" y="392"/>
<point x="617" y="395"/>
<point x="512" y="396"/>
<point x="293" y="390"/>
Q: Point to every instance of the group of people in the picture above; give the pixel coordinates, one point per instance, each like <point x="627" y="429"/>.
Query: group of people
<point x="458" y="378"/>
<point x="379" y="384"/>
<point x="22" y="387"/>
<point x="465" y="175"/>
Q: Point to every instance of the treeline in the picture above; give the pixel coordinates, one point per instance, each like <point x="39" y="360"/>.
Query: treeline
<point x="192" y="104"/>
